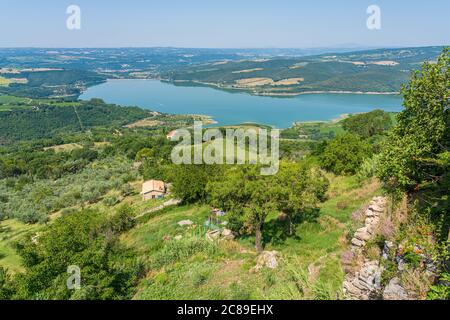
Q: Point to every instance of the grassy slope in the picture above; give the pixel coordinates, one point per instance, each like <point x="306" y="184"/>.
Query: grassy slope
<point x="198" y="269"/>
<point x="310" y="261"/>
<point x="10" y="231"/>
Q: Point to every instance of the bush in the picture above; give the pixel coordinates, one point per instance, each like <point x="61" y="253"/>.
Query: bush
<point x="110" y="200"/>
<point x="368" y="124"/>
<point x="344" y="154"/>
<point x="368" y="168"/>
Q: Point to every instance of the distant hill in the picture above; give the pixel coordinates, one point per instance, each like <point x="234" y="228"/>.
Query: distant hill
<point x="65" y="73"/>
<point x="369" y="71"/>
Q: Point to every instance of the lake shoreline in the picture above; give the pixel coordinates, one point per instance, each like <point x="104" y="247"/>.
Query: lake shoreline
<point x="274" y="94"/>
<point x="235" y="107"/>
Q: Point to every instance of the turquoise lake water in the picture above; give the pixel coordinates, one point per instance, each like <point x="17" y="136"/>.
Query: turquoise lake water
<point x="235" y="108"/>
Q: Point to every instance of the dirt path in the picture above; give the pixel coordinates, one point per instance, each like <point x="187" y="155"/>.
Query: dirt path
<point x="168" y="203"/>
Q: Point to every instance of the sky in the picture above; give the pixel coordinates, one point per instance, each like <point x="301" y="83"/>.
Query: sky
<point x="224" y="23"/>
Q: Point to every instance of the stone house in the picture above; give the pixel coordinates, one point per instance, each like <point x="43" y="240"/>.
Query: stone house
<point x="153" y="189"/>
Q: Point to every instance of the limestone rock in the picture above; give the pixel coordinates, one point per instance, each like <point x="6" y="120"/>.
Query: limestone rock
<point x="388" y="250"/>
<point x="213" y="234"/>
<point x="363" y="234"/>
<point x="227" y="234"/>
<point x="365" y="284"/>
<point x="185" y="223"/>
<point x="394" y="291"/>
<point x="266" y="259"/>
<point x="358" y="243"/>
<point x="376" y="208"/>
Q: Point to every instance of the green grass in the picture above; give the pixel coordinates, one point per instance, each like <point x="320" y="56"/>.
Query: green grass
<point x="192" y="269"/>
<point x="10" y="231"/>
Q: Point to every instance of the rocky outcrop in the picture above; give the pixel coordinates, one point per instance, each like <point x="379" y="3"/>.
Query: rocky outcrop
<point x="394" y="291"/>
<point x="372" y="218"/>
<point x="266" y="259"/>
<point x="365" y="284"/>
<point x="220" y="234"/>
<point x="184" y="223"/>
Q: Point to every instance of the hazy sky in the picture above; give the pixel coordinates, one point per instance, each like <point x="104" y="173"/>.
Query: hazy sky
<point x="223" y="23"/>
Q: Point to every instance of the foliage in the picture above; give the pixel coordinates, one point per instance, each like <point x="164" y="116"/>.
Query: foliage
<point x="416" y="156"/>
<point x="189" y="181"/>
<point x="32" y="200"/>
<point x="45" y="120"/>
<point x="6" y="285"/>
<point x="85" y="239"/>
<point x="368" y="168"/>
<point x="250" y="197"/>
<point x="299" y="190"/>
<point x="344" y="154"/>
<point x="368" y="124"/>
<point x="441" y="291"/>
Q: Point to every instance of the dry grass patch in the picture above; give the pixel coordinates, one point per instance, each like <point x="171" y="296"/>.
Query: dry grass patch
<point x="289" y="81"/>
<point x="248" y="70"/>
<point x="254" y="82"/>
<point x="149" y="122"/>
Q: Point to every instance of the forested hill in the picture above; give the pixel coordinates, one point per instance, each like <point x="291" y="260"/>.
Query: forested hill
<point x="66" y="73"/>
<point x="379" y="71"/>
<point x="36" y="120"/>
<point x="44" y="83"/>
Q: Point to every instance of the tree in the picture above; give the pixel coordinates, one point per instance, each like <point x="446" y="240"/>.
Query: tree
<point x="189" y="181"/>
<point x="416" y="157"/>
<point x="344" y="154"/>
<point x="250" y="197"/>
<point x="368" y="124"/>
<point x="300" y="189"/>
<point x="416" y="152"/>
<point x="245" y="193"/>
<point x="86" y="239"/>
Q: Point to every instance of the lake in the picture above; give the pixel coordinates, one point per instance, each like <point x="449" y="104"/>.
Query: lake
<point x="235" y="108"/>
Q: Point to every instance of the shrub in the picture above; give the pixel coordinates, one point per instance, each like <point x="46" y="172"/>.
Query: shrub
<point x="110" y="200"/>
<point x="344" y="154"/>
<point x="368" y="168"/>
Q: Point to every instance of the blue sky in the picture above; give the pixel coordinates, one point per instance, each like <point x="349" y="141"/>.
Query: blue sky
<point x="220" y="23"/>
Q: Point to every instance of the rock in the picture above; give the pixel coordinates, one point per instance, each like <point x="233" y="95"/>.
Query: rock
<point x="363" y="234"/>
<point x="185" y="223"/>
<point x="371" y="214"/>
<point x="178" y="237"/>
<point x="213" y="234"/>
<point x="365" y="284"/>
<point x="401" y="263"/>
<point x="388" y="250"/>
<point x="394" y="291"/>
<point x="358" y="243"/>
<point x="227" y="234"/>
<point x="266" y="259"/>
<point x="376" y="208"/>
